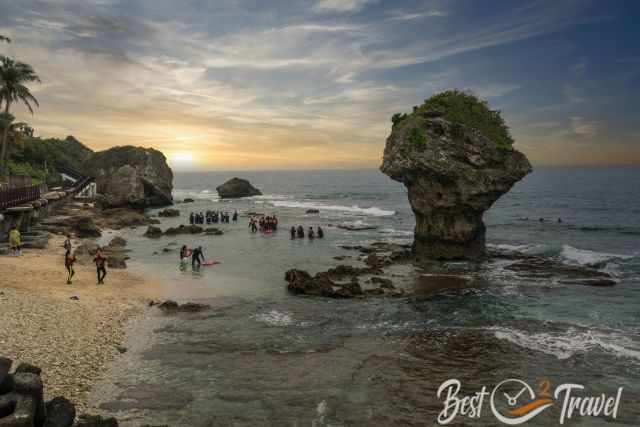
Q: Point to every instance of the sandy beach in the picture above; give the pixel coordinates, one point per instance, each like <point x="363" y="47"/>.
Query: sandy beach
<point x="70" y="339"/>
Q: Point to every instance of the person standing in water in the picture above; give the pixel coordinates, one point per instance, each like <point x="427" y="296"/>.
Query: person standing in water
<point x="197" y="257"/>
<point x="293" y="232"/>
<point x="235" y="216"/>
<point x="69" y="259"/>
<point x="100" y="261"/>
<point x="15" y="240"/>
<point x="300" y="232"/>
<point x="311" y="234"/>
<point x="320" y="233"/>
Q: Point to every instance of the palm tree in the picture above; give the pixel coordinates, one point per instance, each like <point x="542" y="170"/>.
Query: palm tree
<point x="5" y="39"/>
<point x="13" y="76"/>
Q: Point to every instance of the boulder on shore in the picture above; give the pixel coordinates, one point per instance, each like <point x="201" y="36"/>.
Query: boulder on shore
<point x="84" y="227"/>
<point x="131" y="177"/>
<point x="453" y="174"/>
<point x="237" y="187"/>
<point x="22" y="402"/>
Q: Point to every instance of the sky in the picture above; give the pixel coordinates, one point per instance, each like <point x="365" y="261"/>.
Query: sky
<point x="312" y="84"/>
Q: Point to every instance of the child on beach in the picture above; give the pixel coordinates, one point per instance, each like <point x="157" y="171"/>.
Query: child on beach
<point x="69" y="259"/>
<point x="15" y="241"/>
<point x="67" y="243"/>
<point x="100" y="261"/>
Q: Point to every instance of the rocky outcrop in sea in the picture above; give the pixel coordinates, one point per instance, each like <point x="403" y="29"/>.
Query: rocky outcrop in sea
<point x="453" y="174"/>
<point x="237" y="187"/>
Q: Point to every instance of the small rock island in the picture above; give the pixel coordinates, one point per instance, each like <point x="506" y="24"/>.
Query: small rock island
<point x="236" y="188"/>
<point x="455" y="156"/>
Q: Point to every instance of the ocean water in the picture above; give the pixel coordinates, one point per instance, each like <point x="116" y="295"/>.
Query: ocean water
<point x="261" y="356"/>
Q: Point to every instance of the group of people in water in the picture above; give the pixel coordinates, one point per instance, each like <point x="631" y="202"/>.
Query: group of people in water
<point x="266" y="224"/>
<point x="100" y="260"/>
<point x="298" y="233"/>
<point x="212" y="217"/>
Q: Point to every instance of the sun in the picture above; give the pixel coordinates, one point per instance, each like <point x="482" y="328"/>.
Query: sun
<point x="182" y="159"/>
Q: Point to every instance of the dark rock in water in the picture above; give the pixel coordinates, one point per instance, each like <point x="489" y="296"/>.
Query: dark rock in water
<point x="118" y="242"/>
<point x="121" y="349"/>
<point x="301" y="283"/>
<point x="237" y="187"/>
<point x="153" y="232"/>
<point x="375" y="261"/>
<point x="131" y="177"/>
<point x="188" y="200"/>
<point x="313" y="211"/>
<point x="60" y="413"/>
<point x="169" y="213"/>
<point x="212" y="231"/>
<point x="184" y="229"/>
<point x="84" y="227"/>
<point x="602" y="282"/>
<point x="348" y="270"/>
<point x="96" y="421"/>
<point x="382" y="282"/>
<point x="453" y="174"/>
<point x="189" y="307"/>
<point x="165" y="250"/>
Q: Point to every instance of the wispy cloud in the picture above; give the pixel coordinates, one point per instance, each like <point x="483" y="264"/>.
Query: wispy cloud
<point x="410" y="16"/>
<point x="322" y="6"/>
<point x="583" y="127"/>
<point x="321" y="79"/>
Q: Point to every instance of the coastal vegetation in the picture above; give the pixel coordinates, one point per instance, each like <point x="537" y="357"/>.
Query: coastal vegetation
<point x="465" y="108"/>
<point x="22" y="153"/>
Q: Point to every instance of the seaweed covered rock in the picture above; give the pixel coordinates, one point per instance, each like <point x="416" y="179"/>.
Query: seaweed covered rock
<point x="132" y="177"/>
<point x="454" y="155"/>
<point x="237" y="187"/>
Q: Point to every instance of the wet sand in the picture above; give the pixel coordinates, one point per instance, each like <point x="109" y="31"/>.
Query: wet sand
<point x="71" y="340"/>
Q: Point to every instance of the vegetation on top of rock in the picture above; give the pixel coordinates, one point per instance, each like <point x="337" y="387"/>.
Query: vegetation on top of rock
<point x="466" y="109"/>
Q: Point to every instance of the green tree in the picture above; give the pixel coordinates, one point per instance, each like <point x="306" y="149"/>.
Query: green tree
<point x="14" y="76"/>
<point x="467" y="109"/>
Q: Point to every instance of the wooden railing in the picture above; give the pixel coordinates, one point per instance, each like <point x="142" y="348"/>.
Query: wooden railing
<point x="16" y="196"/>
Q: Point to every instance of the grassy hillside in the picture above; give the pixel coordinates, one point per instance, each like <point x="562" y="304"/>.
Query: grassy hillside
<point x="42" y="158"/>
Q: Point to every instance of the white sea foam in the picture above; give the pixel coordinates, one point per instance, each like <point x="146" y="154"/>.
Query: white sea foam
<point x="395" y="232"/>
<point x="529" y="249"/>
<point x="180" y="194"/>
<point x="274" y="318"/>
<point x="271" y="197"/>
<point x="372" y="211"/>
<point x="586" y="257"/>
<point x="566" y="344"/>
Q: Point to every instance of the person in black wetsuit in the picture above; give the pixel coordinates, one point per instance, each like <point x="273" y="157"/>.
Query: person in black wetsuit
<point x="311" y="234"/>
<point x="320" y="233"/>
<point x="300" y="232"/>
<point x="293" y="232"/>
<point x="197" y="257"/>
<point x="235" y="216"/>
